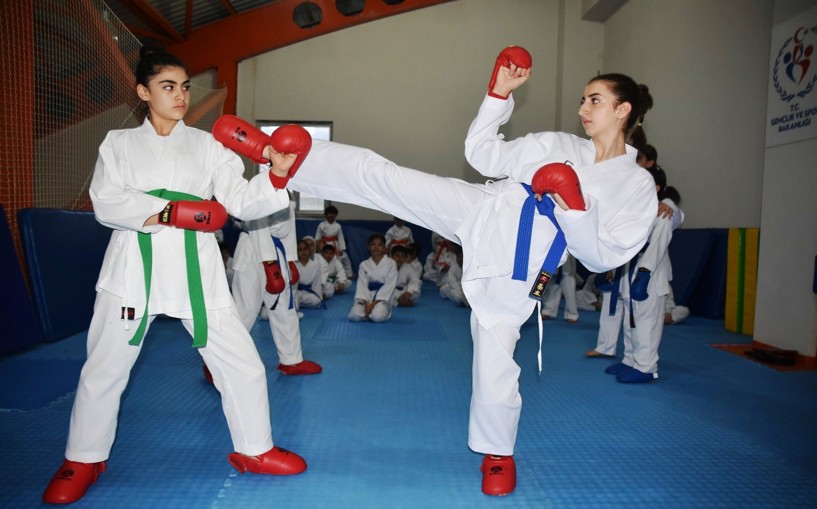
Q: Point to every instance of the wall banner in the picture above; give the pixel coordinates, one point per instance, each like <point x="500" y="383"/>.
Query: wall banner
<point x="792" y="107"/>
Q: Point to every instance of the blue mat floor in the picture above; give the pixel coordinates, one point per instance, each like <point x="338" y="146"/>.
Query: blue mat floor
<point x="384" y="426"/>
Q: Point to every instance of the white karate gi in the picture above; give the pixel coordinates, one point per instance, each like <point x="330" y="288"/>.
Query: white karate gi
<point x="417" y="267"/>
<point x="399" y="235"/>
<point x="336" y="280"/>
<point x="407" y="281"/>
<point x="333" y="234"/>
<point x="132" y="162"/>
<point x="249" y="280"/>
<point x="451" y="287"/>
<point x="484" y="219"/>
<point x="311" y="283"/>
<point x="642" y="341"/>
<point x="369" y="273"/>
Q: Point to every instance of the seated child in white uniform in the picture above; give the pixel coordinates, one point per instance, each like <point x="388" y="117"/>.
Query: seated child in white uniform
<point x="312" y="279"/>
<point x="431" y="269"/>
<point x="413" y="259"/>
<point x="330" y="231"/>
<point x="336" y="281"/>
<point x="398" y="234"/>
<point x="407" y="290"/>
<point x="377" y="278"/>
<point x="451" y="287"/>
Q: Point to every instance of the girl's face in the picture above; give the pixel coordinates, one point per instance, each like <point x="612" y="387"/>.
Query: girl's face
<point x="167" y="94"/>
<point x="600" y="113"/>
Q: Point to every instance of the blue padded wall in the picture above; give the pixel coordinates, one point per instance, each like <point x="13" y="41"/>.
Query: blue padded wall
<point x="18" y="321"/>
<point x="64" y="251"/>
<point x="688" y="252"/>
<point x="709" y="298"/>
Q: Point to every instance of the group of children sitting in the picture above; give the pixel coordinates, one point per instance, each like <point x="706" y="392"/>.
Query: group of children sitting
<point x="391" y="276"/>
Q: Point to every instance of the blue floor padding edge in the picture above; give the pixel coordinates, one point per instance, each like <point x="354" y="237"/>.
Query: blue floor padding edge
<point x="384" y="426"/>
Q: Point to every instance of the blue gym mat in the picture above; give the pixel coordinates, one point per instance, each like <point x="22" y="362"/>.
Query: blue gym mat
<point x="385" y="424"/>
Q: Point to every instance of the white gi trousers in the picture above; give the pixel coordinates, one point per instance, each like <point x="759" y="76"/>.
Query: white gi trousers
<point x="248" y="292"/>
<point x="609" y="325"/>
<point x="642" y="341"/>
<point x="230" y="354"/>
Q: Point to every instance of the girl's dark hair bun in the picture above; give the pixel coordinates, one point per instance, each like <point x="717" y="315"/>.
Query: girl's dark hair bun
<point x="147" y="49"/>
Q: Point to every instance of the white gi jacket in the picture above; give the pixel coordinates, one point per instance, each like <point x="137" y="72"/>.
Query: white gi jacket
<point x="620" y="199"/>
<point x="384" y="273"/>
<point x="401" y="234"/>
<point x="312" y="276"/>
<point x="134" y="161"/>
<point x="407" y="280"/>
<point x="334" y="232"/>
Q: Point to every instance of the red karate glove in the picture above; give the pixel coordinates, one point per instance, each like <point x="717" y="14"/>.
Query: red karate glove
<point x="242" y="137"/>
<point x="203" y="216"/>
<point x="294" y="275"/>
<point x="290" y="139"/>
<point x="559" y="178"/>
<point x="516" y="55"/>
<point x="275" y="280"/>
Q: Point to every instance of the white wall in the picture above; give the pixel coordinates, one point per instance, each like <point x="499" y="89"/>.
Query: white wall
<point x="408" y="86"/>
<point x="706" y="65"/>
<point x="786" y="315"/>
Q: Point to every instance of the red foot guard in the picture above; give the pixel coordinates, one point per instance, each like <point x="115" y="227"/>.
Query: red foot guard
<point x="302" y="368"/>
<point x="276" y="461"/>
<point x="498" y="475"/>
<point x="71" y="481"/>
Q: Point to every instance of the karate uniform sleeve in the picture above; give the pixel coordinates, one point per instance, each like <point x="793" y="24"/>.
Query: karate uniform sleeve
<point x="487" y="151"/>
<point x="660" y="236"/>
<point x="414" y="283"/>
<point x="116" y="205"/>
<point x="243" y="199"/>
<point x="603" y="243"/>
<point x="677" y="213"/>
<point x="262" y="245"/>
<point x="340" y="272"/>
<point x="341" y="241"/>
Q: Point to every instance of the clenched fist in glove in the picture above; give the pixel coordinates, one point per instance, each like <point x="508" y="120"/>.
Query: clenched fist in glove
<point x="203" y="216"/>
<point x="275" y="280"/>
<point x="516" y="55"/>
<point x="289" y="145"/>
<point x="561" y="180"/>
<point x="289" y="140"/>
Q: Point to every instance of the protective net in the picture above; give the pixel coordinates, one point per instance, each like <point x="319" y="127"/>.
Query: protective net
<point x="68" y="78"/>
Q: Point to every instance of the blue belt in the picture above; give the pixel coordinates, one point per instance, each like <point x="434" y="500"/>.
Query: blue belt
<point x="523" y="239"/>
<point x="615" y="290"/>
<point x="375" y="286"/>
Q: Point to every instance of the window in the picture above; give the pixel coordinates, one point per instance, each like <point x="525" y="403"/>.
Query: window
<point x="305" y="205"/>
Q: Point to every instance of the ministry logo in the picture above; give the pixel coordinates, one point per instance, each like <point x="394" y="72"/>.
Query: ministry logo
<point x="795" y="69"/>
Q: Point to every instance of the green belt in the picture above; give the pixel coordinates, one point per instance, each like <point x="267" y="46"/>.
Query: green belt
<point x="193" y="275"/>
